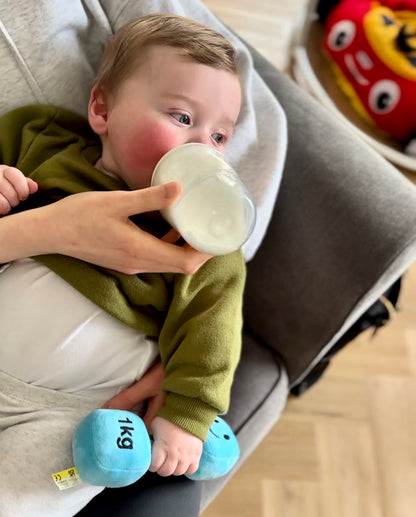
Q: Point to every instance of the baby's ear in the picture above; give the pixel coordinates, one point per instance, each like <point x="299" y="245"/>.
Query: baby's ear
<point x="97" y="111"/>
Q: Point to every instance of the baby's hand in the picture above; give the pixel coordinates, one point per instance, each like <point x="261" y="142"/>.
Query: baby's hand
<point x="14" y="187"/>
<point x="174" y="451"/>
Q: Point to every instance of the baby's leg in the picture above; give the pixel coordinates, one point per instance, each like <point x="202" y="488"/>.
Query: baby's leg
<point x="36" y="429"/>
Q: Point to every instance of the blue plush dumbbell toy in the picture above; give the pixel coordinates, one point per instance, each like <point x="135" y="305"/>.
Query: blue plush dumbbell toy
<point x="112" y="448"/>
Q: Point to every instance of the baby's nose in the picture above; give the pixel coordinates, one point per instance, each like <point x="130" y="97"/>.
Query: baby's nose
<point x="200" y="138"/>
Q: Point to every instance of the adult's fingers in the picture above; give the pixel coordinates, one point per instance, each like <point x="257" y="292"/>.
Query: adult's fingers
<point x="146" y="387"/>
<point x="149" y="199"/>
<point x="153" y="406"/>
<point x="171" y="237"/>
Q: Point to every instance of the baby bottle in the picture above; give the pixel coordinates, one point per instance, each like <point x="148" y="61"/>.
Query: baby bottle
<point x="214" y="213"/>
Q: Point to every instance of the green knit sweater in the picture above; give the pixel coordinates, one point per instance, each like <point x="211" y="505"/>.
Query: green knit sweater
<point x="197" y="318"/>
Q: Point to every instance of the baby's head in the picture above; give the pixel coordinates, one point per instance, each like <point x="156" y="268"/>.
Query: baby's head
<point x="125" y="51"/>
<point x="164" y="80"/>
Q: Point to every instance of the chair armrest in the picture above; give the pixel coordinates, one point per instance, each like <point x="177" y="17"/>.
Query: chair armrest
<point x="343" y="230"/>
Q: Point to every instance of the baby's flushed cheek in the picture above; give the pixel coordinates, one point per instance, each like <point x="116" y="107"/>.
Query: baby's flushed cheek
<point x="146" y="149"/>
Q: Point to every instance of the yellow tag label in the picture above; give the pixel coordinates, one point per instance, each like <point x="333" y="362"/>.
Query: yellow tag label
<point x="66" y="478"/>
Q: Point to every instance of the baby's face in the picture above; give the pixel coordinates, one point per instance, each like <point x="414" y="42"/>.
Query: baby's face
<point x="170" y="100"/>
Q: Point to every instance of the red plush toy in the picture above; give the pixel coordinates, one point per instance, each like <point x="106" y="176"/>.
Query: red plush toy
<point x="373" y="47"/>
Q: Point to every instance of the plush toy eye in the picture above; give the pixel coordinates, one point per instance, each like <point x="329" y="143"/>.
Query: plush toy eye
<point x="341" y="35"/>
<point x="384" y="96"/>
<point x="387" y="20"/>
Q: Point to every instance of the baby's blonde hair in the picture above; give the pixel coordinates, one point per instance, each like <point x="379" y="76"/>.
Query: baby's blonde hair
<point x="199" y="42"/>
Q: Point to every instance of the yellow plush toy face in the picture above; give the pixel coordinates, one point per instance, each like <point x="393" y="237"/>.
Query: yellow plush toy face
<point x="383" y="27"/>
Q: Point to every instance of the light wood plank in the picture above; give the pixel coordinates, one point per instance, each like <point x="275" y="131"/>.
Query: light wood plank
<point x="410" y="338"/>
<point x="349" y="481"/>
<point x="290" y="499"/>
<point x="393" y="403"/>
<point x="266" y="24"/>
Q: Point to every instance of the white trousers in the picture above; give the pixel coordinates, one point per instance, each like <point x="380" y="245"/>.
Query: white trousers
<point x="36" y="429"/>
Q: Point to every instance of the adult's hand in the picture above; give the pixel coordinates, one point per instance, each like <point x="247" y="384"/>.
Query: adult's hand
<point x="148" y="388"/>
<point x="95" y="227"/>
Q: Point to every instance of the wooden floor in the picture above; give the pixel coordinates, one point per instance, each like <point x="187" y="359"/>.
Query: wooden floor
<point x="347" y="447"/>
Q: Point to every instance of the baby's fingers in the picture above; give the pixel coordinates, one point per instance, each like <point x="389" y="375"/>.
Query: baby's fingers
<point x="159" y="456"/>
<point x="33" y="186"/>
<point x="168" y="468"/>
<point x="8" y="192"/>
<point x="4" y="205"/>
<point x="14" y="185"/>
<point x="21" y="185"/>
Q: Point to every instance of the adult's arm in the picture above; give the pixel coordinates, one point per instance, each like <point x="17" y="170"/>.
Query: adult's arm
<point x="95" y="227"/>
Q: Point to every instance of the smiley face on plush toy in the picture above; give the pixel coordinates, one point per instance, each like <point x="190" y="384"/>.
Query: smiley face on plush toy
<point x="374" y="50"/>
<point x="220" y="431"/>
<point x="220" y="452"/>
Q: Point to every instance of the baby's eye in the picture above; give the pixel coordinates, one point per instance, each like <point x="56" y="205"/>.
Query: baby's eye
<point x="182" y="118"/>
<point x="218" y="138"/>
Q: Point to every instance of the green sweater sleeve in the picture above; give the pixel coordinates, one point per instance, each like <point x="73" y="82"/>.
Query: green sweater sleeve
<point x="200" y="343"/>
